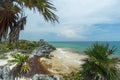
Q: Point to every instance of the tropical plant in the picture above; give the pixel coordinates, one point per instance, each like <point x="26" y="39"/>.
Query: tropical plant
<point x="73" y="76"/>
<point x="28" y="46"/>
<point x="22" y="64"/>
<point x="12" y="15"/>
<point x="100" y="65"/>
<point x="24" y="46"/>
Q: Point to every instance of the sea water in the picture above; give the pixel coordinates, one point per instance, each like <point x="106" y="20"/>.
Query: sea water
<point x="80" y="46"/>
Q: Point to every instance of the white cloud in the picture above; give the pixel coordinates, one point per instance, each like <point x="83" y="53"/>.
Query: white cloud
<point x="71" y="32"/>
<point x="88" y="11"/>
<point x="77" y="18"/>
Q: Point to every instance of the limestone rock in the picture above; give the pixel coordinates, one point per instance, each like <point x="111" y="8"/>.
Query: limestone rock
<point x="44" y="49"/>
<point x="45" y="77"/>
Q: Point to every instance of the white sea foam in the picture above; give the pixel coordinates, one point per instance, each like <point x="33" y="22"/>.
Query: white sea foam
<point x="69" y="57"/>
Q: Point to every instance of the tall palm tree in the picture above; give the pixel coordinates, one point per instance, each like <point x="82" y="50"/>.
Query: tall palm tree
<point x="22" y="64"/>
<point x="11" y="13"/>
<point x="100" y="65"/>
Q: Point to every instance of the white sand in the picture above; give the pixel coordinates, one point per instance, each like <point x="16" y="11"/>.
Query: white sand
<point x="5" y="61"/>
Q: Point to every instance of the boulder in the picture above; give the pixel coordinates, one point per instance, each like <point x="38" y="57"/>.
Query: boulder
<point x="45" y="77"/>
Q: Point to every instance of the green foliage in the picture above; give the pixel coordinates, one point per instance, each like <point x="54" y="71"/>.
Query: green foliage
<point x="19" y="58"/>
<point x="4" y="47"/>
<point x="13" y="19"/>
<point x="27" y="46"/>
<point x="22" y="63"/>
<point x="100" y="66"/>
<point x="44" y="7"/>
<point x="73" y="76"/>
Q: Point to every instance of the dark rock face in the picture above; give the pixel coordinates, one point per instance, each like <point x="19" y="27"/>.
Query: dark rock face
<point x="45" y="77"/>
<point x="43" y="50"/>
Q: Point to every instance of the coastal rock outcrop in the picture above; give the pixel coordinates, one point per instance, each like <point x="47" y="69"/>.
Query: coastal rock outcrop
<point x="44" y="49"/>
<point x="45" y="77"/>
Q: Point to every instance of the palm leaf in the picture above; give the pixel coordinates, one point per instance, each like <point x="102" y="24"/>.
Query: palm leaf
<point x="45" y="7"/>
<point x="7" y="20"/>
<point x="11" y="15"/>
<point x="99" y="66"/>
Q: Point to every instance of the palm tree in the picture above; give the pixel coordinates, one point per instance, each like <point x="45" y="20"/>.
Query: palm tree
<point x="100" y="65"/>
<point x="22" y="64"/>
<point x="12" y="15"/>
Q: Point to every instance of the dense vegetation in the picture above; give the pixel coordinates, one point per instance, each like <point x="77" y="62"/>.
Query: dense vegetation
<point x="99" y="66"/>
<point x="23" y="46"/>
<point x="73" y="76"/>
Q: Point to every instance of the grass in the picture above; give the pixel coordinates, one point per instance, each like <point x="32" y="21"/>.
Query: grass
<point x="73" y="76"/>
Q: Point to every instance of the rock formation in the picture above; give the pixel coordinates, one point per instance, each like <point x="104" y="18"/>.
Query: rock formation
<point x="43" y="50"/>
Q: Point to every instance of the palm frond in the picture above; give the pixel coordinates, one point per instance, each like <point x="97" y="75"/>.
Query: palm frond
<point x="25" y="68"/>
<point x="22" y="62"/>
<point x="45" y="7"/>
<point x="11" y="15"/>
<point x="99" y="66"/>
<point x="7" y="20"/>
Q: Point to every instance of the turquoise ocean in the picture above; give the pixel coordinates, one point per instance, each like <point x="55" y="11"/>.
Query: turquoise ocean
<point x="80" y="46"/>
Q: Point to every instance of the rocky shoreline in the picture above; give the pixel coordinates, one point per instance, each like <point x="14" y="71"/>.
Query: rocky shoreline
<point x="47" y="63"/>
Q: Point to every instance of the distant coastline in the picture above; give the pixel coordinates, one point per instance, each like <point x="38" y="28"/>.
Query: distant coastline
<point x="80" y="46"/>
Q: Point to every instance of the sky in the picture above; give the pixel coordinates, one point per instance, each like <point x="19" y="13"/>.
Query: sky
<point x="80" y="20"/>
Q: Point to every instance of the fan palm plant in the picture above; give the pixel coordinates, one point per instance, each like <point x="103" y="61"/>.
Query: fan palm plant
<point x="22" y="64"/>
<point x="100" y="65"/>
<point x="11" y="13"/>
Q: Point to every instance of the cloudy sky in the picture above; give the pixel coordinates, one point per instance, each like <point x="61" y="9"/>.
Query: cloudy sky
<point x="80" y="20"/>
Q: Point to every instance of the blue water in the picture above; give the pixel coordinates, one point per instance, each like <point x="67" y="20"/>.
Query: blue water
<point x="81" y="46"/>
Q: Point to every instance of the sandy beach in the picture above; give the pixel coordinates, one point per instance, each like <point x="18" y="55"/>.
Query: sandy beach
<point x="63" y="62"/>
<point x="5" y="61"/>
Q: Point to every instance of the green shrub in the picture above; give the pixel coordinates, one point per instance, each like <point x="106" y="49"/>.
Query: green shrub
<point x="73" y="76"/>
<point x="28" y="46"/>
<point x="100" y="66"/>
